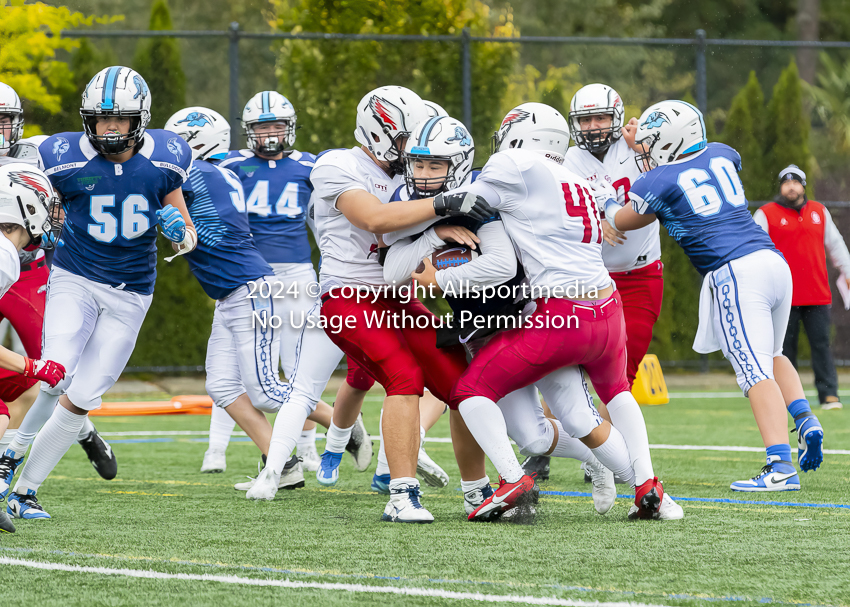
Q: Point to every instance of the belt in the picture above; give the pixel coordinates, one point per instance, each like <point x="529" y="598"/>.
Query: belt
<point x="33" y="265"/>
<point x="577" y="306"/>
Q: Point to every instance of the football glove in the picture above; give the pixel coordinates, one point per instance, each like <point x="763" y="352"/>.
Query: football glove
<point x="44" y="370"/>
<point x="462" y="203"/>
<point x="172" y="223"/>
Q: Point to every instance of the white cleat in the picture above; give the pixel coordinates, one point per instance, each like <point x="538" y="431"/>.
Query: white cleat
<point x="431" y="473"/>
<point x="214" y="461"/>
<point x="310" y="459"/>
<point x="292" y="477"/>
<point x="265" y="486"/>
<point x="604" y="490"/>
<point x="668" y="511"/>
<point x="404" y="506"/>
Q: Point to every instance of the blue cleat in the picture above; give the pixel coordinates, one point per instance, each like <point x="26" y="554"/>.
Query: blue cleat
<point x="8" y="466"/>
<point x="775" y="476"/>
<point x="25" y="506"/>
<point x="328" y="472"/>
<point x="381" y="483"/>
<point x="809" y="443"/>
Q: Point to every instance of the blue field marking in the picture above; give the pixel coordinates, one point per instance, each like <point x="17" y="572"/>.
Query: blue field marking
<point x="710" y="500"/>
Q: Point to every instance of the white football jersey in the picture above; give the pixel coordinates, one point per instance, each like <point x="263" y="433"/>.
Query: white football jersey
<point x="552" y="218"/>
<point x="10" y="265"/>
<point x="618" y="170"/>
<point x="349" y="254"/>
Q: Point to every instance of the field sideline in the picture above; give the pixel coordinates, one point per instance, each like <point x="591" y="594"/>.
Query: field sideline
<point x="162" y="532"/>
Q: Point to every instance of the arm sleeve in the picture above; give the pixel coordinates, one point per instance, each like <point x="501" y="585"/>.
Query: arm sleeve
<point x="406" y="254"/>
<point x="835" y="246"/>
<point x="393" y="237"/>
<point x="639" y="193"/>
<point x="496" y="264"/>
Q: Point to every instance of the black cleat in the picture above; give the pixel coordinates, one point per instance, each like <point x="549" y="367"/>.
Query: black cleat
<point x="537" y="466"/>
<point x="100" y="455"/>
<point x="360" y="445"/>
<point x="6" y="525"/>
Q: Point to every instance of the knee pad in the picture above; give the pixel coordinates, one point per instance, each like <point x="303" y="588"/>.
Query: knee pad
<point x="536" y="443"/>
<point x="223" y="392"/>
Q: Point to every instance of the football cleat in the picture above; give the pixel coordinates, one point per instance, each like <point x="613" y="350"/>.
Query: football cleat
<point x="809" y="442"/>
<point x="775" y="476"/>
<point x="669" y="510"/>
<point x="604" y="490"/>
<point x="431" y="473"/>
<point x="292" y="476"/>
<point x="328" y="472"/>
<point x="6" y="525"/>
<point x="25" y="506"/>
<point x="100" y="455"/>
<point x="309" y="457"/>
<point x="381" y="483"/>
<point x="214" y="461"/>
<point x="359" y="446"/>
<point x="648" y="498"/>
<point x="589" y="479"/>
<point x="404" y="506"/>
<point x="522" y="493"/>
<point x="264" y="486"/>
<point x="537" y="464"/>
<point x="8" y="466"/>
<point x="473" y="498"/>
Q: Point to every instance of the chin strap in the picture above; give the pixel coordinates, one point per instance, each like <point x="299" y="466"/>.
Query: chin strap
<point x="187" y="245"/>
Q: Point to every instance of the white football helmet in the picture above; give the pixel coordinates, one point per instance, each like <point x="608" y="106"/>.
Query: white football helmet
<point x="27" y="199"/>
<point x="205" y="130"/>
<point x="666" y="130"/>
<point x="10" y="105"/>
<point x="434" y="109"/>
<point x="386" y="116"/>
<point x="438" y="138"/>
<point x="596" y="99"/>
<point x="117" y="91"/>
<point x="534" y="126"/>
<point x="269" y="106"/>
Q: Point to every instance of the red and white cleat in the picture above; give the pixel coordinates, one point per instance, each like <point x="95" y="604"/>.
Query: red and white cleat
<point x="648" y="499"/>
<point x="522" y="493"/>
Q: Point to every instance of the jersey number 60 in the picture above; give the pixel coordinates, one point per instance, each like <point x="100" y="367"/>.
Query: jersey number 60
<point x="704" y="197"/>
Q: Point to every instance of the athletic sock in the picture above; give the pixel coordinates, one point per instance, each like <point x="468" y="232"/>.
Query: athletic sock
<point x="397" y="483"/>
<point x="487" y="425"/>
<point x="627" y="418"/>
<point x="570" y="447"/>
<point x="306" y="440"/>
<point x="35" y="418"/>
<point x="54" y="440"/>
<point x="383" y="467"/>
<point x="467" y="486"/>
<point x="88" y="428"/>
<point x="7" y="438"/>
<point x="221" y="427"/>
<point x="614" y="455"/>
<point x="780" y="456"/>
<point x="287" y="428"/>
<point x="337" y="438"/>
<point x="421" y="436"/>
<point x="799" y="410"/>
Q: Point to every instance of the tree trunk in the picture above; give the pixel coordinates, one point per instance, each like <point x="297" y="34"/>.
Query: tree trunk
<point x="808" y="22"/>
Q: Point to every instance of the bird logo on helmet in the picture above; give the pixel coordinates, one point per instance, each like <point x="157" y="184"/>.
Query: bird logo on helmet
<point x="195" y="119"/>
<point x="655" y="120"/>
<point x="382" y="113"/>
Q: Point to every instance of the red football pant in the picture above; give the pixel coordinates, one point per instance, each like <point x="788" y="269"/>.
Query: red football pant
<point x="403" y="360"/>
<point x="24" y="305"/>
<point x="357" y="378"/>
<point x="642" y="291"/>
<point x="595" y="339"/>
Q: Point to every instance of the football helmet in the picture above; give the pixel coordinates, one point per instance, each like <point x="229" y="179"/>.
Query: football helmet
<point x="534" y="126"/>
<point x="205" y="130"/>
<point x="666" y="130"/>
<point x="269" y="106"/>
<point x="588" y="101"/>
<point x="10" y="105"/>
<point x="434" y="109"/>
<point x="116" y="91"/>
<point x="438" y="138"/>
<point x="27" y="199"/>
<point x="385" y="117"/>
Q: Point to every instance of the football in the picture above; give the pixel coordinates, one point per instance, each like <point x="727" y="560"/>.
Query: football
<point x="450" y="256"/>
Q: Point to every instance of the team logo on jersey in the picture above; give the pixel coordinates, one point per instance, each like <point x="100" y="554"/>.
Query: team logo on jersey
<point x="174" y="148"/>
<point x="460" y="135"/>
<point x="141" y="87"/>
<point x="60" y="146"/>
<point x="815" y="218"/>
<point x="88" y="183"/>
<point x="382" y="109"/>
<point x="196" y="119"/>
<point x="655" y="120"/>
<point x="32" y="182"/>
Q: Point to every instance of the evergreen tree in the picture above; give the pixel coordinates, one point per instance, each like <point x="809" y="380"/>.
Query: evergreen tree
<point x="786" y="137"/>
<point x="743" y="132"/>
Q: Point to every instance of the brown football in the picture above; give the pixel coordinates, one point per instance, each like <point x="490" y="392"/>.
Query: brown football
<point x="450" y="256"/>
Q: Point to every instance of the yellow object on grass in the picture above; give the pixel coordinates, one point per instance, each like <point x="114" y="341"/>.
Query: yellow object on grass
<point x="649" y="387"/>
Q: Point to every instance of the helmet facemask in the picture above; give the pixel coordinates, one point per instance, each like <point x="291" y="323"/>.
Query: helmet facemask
<point x="274" y="142"/>
<point x="645" y="160"/>
<point x="15" y="130"/>
<point x="427" y="187"/>
<point x="595" y="141"/>
<point x="112" y="145"/>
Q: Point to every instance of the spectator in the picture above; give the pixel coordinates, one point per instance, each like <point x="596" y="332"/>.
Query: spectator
<point x="804" y="232"/>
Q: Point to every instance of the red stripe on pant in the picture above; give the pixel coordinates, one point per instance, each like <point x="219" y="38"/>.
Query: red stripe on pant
<point x="594" y="338"/>
<point x="402" y="360"/>
<point x="642" y="291"/>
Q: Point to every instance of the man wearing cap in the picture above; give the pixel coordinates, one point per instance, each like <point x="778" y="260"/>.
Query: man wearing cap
<point x="804" y="232"/>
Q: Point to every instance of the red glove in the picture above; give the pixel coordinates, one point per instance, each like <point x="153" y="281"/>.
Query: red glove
<point x="45" y="370"/>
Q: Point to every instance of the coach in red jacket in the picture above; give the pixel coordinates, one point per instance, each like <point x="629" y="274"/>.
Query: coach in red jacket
<point x="803" y="231"/>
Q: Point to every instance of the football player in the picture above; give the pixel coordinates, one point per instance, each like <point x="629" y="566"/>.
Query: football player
<point x="27" y="203"/>
<point x="117" y="181"/>
<point x="692" y="187"/>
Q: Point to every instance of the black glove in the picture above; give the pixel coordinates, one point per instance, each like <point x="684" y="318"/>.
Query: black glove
<point x="462" y="204"/>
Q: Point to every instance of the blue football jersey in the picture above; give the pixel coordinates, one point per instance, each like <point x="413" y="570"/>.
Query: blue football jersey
<point x="226" y="256"/>
<point x="110" y="208"/>
<point x="276" y="194"/>
<point x="701" y="202"/>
